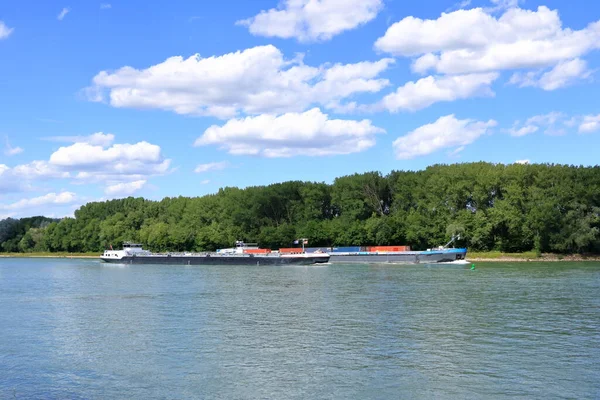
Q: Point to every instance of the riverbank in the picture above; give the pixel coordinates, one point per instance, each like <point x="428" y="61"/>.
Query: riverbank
<point x="528" y="256"/>
<point x="49" y="255"/>
<point x="492" y="256"/>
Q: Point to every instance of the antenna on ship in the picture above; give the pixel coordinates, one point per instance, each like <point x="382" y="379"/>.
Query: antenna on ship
<point x="302" y="241"/>
<point x="457" y="237"/>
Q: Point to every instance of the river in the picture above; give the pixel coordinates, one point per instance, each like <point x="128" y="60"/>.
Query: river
<point x="80" y="329"/>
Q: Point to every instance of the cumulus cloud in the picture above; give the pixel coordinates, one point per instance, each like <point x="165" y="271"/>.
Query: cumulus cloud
<point x="19" y="178"/>
<point x="95" y="139"/>
<point x="63" y="13"/>
<point x="312" y="20"/>
<point x="5" y="31"/>
<point x="551" y="123"/>
<point x="414" y="96"/>
<point x="555" y="123"/>
<point x="214" y="166"/>
<point x="311" y="133"/>
<point x="446" y="132"/>
<point x="466" y="41"/>
<point x="124" y="189"/>
<point x="589" y="123"/>
<point x="119" y="162"/>
<point x="85" y="162"/>
<point x="39" y="170"/>
<point x="62" y="198"/>
<point x="563" y="74"/>
<point x="8" y="182"/>
<point x="254" y="81"/>
<point x="523" y="162"/>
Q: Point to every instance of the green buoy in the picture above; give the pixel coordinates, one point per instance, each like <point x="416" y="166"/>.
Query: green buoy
<point x="472" y="267"/>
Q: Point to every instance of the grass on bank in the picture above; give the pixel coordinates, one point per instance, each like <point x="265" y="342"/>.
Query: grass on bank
<point x="51" y="254"/>
<point x="498" y="254"/>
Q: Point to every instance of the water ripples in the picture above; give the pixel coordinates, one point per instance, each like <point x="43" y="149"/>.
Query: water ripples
<point x="78" y="329"/>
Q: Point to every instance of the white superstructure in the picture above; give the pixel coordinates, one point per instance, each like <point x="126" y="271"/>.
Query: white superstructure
<point x="129" y="249"/>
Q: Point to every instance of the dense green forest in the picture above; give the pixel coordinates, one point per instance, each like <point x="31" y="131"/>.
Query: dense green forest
<point x="511" y="208"/>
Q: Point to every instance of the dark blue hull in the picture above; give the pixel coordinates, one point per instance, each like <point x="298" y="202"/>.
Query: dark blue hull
<point x="404" y="257"/>
<point x="216" y="260"/>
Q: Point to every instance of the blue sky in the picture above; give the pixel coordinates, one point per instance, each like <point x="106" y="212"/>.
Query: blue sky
<point x="103" y="100"/>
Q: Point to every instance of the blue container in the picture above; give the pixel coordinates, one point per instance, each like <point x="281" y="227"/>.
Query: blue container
<point x="351" y="249"/>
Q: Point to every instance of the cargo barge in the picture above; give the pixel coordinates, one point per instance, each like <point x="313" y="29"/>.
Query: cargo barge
<point x="241" y="254"/>
<point x="392" y="254"/>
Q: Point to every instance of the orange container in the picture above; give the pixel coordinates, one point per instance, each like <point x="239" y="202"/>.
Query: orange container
<point x="257" y="251"/>
<point x="388" y="248"/>
<point x="291" y="250"/>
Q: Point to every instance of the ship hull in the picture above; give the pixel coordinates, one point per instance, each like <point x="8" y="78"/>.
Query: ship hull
<point x="217" y="260"/>
<point x="405" y="257"/>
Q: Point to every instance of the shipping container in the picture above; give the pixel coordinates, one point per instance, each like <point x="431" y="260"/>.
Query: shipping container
<point x="257" y="251"/>
<point x="291" y="250"/>
<point x="380" y="249"/>
<point x="350" y="249"/>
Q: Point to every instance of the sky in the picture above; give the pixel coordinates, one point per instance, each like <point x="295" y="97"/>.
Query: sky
<point x="104" y="100"/>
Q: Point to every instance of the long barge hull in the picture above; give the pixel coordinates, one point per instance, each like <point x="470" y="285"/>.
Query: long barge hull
<point x="215" y="260"/>
<point x="404" y="257"/>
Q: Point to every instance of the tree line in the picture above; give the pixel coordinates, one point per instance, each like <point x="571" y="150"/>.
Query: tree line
<point x="510" y="208"/>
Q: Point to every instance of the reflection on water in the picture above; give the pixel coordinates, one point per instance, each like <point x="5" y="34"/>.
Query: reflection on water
<point x="81" y="329"/>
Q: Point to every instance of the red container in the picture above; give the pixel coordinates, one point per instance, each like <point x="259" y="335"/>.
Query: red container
<point x="257" y="251"/>
<point x="381" y="249"/>
<point x="291" y="250"/>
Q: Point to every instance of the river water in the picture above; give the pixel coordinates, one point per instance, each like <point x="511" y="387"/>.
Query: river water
<point x="79" y="329"/>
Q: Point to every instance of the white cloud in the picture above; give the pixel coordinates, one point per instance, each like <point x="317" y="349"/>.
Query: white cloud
<point x="563" y="74"/>
<point x="88" y="163"/>
<point x="590" y="123"/>
<point x="466" y="41"/>
<point x="311" y="133"/>
<point x="523" y="162"/>
<point x="63" y="13"/>
<point x="95" y="139"/>
<point x="552" y="123"/>
<point x="9" y="182"/>
<point x="556" y="123"/>
<point x="5" y="31"/>
<point x="105" y="6"/>
<point x="254" y="81"/>
<point x="205" y="182"/>
<point x="39" y="170"/>
<point x="214" y="166"/>
<point x="124" y="189"/>
<point x="427" y="91"/>
<point x="118" y="162"/>
<point x="11" y="151"/>
<point x="19" y="178"/>
<point x="312" y="20"/>
<point x="444" y="133"/>
<point x="524" y="130"/>
<point x="51" y="198"/>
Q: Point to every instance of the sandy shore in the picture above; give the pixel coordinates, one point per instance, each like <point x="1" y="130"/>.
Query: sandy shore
<point x="44" y="256"/>
<point x="543" y="258"/>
